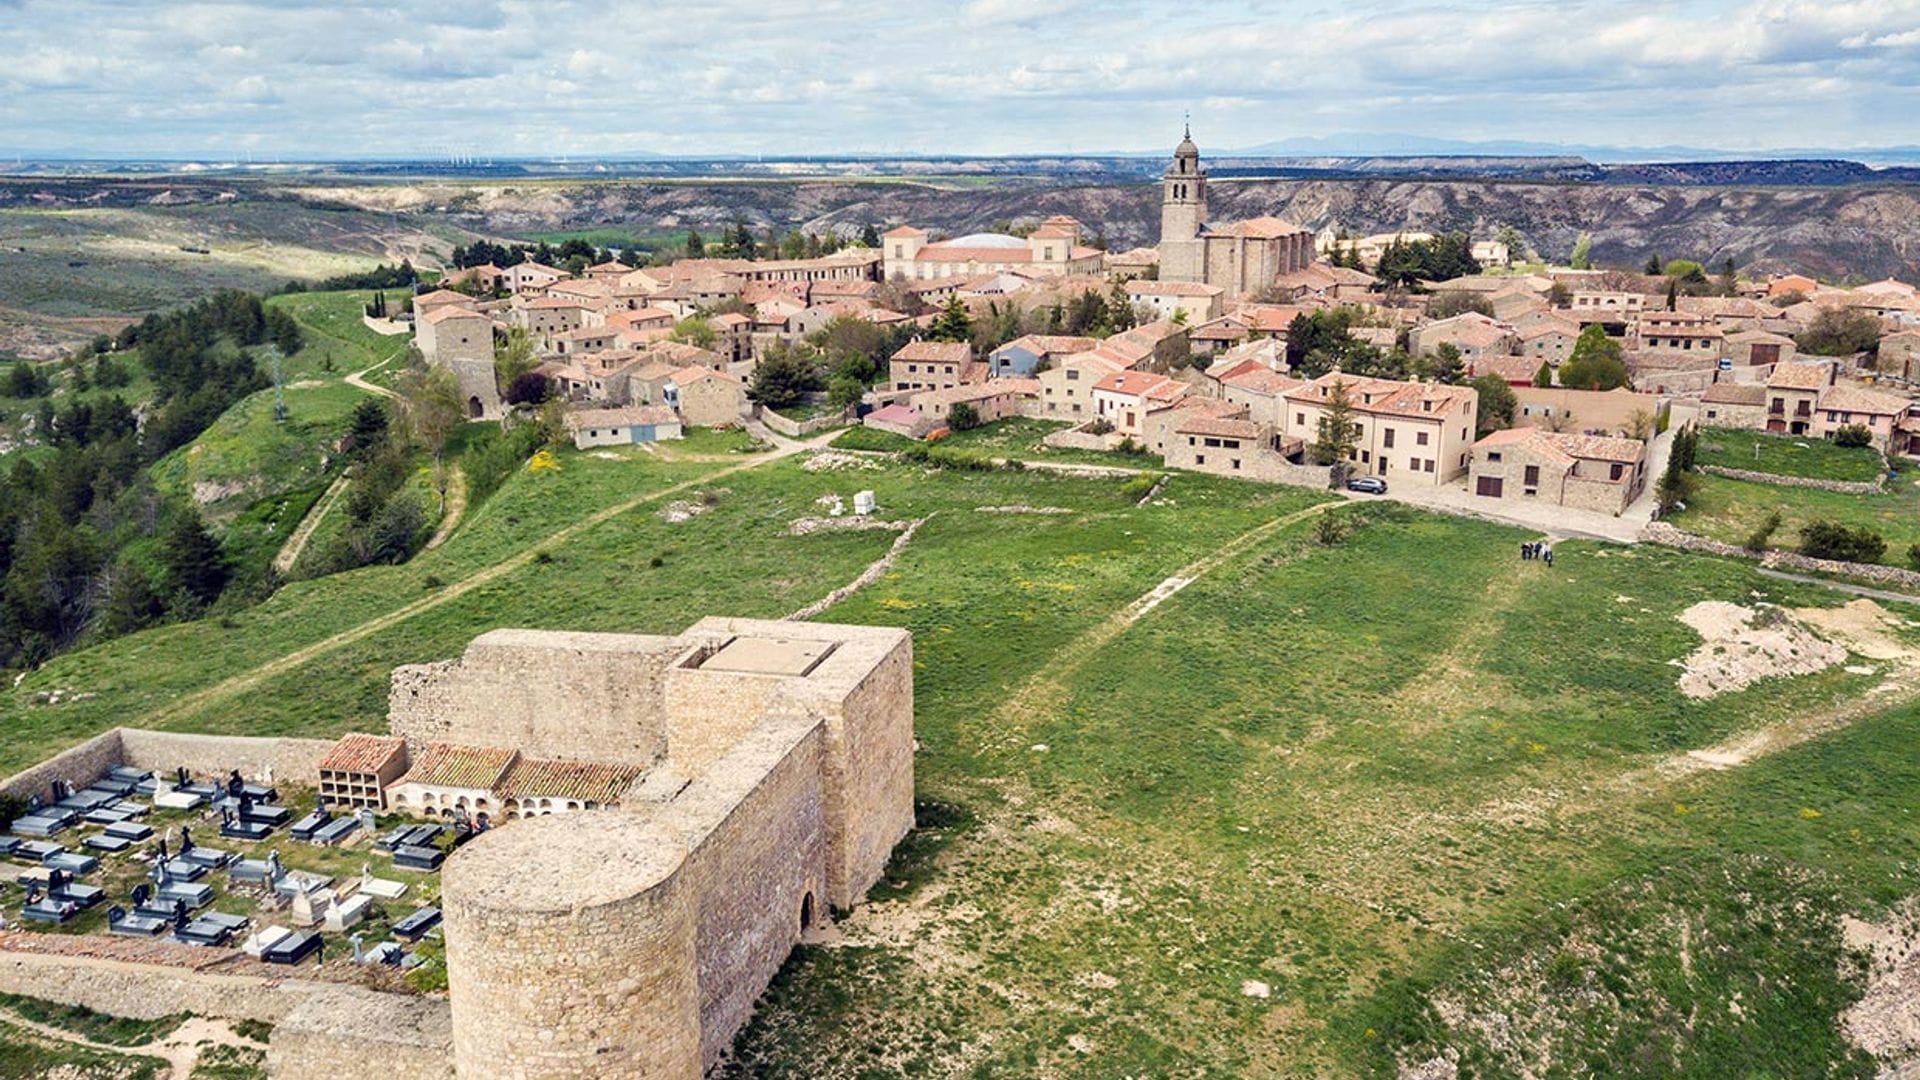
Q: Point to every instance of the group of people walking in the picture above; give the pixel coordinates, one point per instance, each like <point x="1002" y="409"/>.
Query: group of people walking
<point x="1537" y="549"/>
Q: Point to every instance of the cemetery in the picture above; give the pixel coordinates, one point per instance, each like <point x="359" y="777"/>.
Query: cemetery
<point x="572" y="855"/>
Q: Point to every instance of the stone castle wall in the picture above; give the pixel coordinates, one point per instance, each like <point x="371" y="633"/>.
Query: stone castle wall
<point x="570" y="951"/>
<point x="580" y="697"/>
<point x="758" y="869"/>
<point x="362" y="1033"/>
<point x="143" y="991"/>
<point x="868" y="781"/>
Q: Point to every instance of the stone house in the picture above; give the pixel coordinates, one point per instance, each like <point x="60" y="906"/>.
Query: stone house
<point x="1900" y="355"/>
<point x="1585" y="472"/>
<point x="1124" y="398"/>
<point x="1548" y="342"/>
<point x="995" y="399"/>
<point x="1260" y="391"/>
<point x="1029" y="353"/>
<point x="582" y="339"/>
<point x="1669" y="333"/>
<point x="449" y="333"/>
<point x="542" y="317"/>
<point x="902" y="420"/>
<point x="929" y="365"/>
<point x="1230" y="447"/>
<point x="1474" y="334"/>
<point x="1407" y="431"/>
<point x="707" y="397"/>
<point x="1594" y="412"/>
<point x="1792" y="283"/>
<point x="1606" y="306"/>
<point x="530" y="277"/>
<point x="1756" y="348"/>
<point x="1877" y="411"/>
<point x="1156" y="431"/>
<point x="623" y="426"/>
<point x="1198" y="302"/>
<point x="1734" y="405"/>
<point x="1793" y="392"/>
<point x="1066" y="389"/>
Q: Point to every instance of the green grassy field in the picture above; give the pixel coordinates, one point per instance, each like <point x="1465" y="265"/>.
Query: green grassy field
<point x="1730" y="510"/>
<point x="1326" y="810"/>
<point x="1015" y="437"/>
<point x="1787" y="455"/>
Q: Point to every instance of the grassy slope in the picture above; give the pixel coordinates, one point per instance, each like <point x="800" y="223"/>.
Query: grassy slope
<point x="1015" y="437"/>
<point x="1787" y="455"/>
<point x="1365" y="776"/>
<point x="1730" y="510"/>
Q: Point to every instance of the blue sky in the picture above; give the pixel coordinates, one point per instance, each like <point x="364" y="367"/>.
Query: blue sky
<point x="601" y="77"/>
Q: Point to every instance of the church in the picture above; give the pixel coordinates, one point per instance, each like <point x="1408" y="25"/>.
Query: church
<point x="1242" y="257"/>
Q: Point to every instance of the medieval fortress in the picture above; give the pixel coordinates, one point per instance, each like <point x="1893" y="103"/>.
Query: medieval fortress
<point x="765" y="772"/>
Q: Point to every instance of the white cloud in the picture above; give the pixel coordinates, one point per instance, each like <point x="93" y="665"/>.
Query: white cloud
<point x="360" y="77"/>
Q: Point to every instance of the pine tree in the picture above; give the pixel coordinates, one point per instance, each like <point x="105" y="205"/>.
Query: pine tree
<point x="1335" y="434"/>
<point x="696" y="247"/>
<point x="1543" y="377"/>
<point x="953" y="323"/>
<point x="196" y="567"/>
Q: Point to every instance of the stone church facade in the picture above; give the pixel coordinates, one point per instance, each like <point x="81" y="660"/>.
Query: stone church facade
<point x="1241" y="257"/>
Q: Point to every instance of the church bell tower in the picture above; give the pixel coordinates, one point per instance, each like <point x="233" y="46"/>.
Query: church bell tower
<point x="1183" y="212"/>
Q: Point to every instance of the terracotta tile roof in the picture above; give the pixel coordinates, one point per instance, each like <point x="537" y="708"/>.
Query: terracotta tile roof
<point x="1052" y="344"/>
<point x="449" y="311"/>
<point x="1138" y="287"/>
<point x="904" y="230"/>
<point x="1567" y="447"/>
<point x="438" y="297"/>
<point x="1051" y="232"/>
<point x="1800" y="376"/>
<point x="1220" y="426"/>
<point x="1735" y="394"/>
<point x="1263" y="228"/>
<point x="1861" y="400"/>
<point x="1510" y="368"/>
<point x="950" y="252"/>
<point x="448" y="765"/>
<point x="623" y="417"/>
<point x="694" y="373"/>
<point x="1133" y="383"/>
<point x="972" y="391"/>
<point x="1261" y="380"/>
<point x="940" y="352"/>
<point x="582" y="781"/>
<point x="553" y="303"/>
<point x="363" y="753"/>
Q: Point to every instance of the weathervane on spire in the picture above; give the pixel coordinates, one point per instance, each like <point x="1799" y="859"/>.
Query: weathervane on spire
<point x="1186" y="123"/>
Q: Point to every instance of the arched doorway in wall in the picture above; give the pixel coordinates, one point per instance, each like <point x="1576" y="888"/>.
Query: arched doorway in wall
<point x="806" y="913"/>
<point x="474" y="409"/>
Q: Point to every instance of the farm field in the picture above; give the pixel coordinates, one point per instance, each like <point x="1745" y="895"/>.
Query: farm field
<point x="1730" y="510"/>
<point x="1311" y="809"/>
<point x="1787" y="455"/>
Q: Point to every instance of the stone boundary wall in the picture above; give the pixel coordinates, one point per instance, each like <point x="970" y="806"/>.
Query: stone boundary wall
<point x="794" y="429"/>
<point x="386" y="327"/>
<point x="216" y="755"/>
<point x="1659" y="532"/>
<point x="146" y="991"/>
<point x="1845" y="487"/>
<point x="331" y="1035"/>
<point x="1076" y="439"/>
<point x="79" y="765"/>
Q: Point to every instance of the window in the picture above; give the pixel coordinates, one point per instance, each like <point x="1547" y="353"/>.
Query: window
<point x="1533" y="476"/>
<point x="1199" y="459"/>
<point x="1493" y="455"/>
<point x="1076" y="407"/>
<point x="1386" y="436"/>
<point x="1236" y="463"/>
<point x="1300" y="419"/>
<point x="1616" y="470"/>
<point x="1073" y="374"/>
<point x="1429" y="466"/>
<point x="1419" y="438"/>
<point x="1213" y="442"/>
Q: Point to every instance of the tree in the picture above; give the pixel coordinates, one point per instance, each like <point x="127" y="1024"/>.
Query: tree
<point x="514" y="357"/>
<point x="430" y="402"/>
<point x="132" y="602"/>
<point x="870" y="236"/>
<point x="1335" y="433"/>
<point x="1450" y="302"/>
<point x="953" y="323"/>
<point x="529" y="388"/>
<point x="283" y="332"/>
<point x="1596" y="362"/>
<point x="784" y="375"/>
<point x="25" y="381"/>
<point x="1653" y="265"/>
<point x="1498" y="403"/>
<point x="196" y="569"/>
<point x="366" y="426"/>
<point x="1582" y="257"/>
<point x="1120" y="309"/>
<point x="1544" y="376"/>
<point x="1640" y="424"/>
<point x="694" y="330"/>
<point x="1834" y="540"/>
<point x="696" y="247"/>
<point x="397" y="530"/>
<point x="1558" y="295"/>
<point x="844" y="391"/>
<point x="1840" y="332"/>
<point x="1853" y="436"/>
<point x="963" y="417"/>
<point x="1448" y="367"/>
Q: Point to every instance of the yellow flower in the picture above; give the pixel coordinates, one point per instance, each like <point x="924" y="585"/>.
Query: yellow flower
<point x="1809" y="813"/>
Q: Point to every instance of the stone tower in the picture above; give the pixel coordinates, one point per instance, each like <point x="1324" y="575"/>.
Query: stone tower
<point x="1183" y="212"/>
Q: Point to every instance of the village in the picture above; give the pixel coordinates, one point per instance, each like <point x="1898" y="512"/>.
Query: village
<point x="1255" y="349"/>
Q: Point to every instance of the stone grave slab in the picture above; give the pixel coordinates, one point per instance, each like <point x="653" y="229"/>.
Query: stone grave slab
<point x="415" y="926"/>
<point x="130" y="831"/>
<point x="112" y="845"/>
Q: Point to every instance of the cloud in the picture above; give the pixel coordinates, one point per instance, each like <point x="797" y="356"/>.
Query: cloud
<point x="364" y="78"/>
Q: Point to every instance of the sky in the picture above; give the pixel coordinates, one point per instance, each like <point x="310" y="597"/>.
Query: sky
<point x="587" y="78"/>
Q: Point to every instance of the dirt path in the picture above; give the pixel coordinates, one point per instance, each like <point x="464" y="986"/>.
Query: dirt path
<point x="290" y="551"/>
<point x="236" y="684"/>
<point x="358" y="380"/>
<point x="1046" y="691"/>
<point x="456" y="507"/>
<point x="1841" y="586"/>
<point x="180" y="1049"/>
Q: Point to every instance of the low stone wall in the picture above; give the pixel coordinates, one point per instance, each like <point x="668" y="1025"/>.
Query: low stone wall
<point x="794" y="429"/>
<point x="1847" y="487"/>
<point x="1659" y="532"/>
<point x="144" y="991"/>
<point x="214" y="755"/>
<point x="80" y="765"/>
<point x="1076" y="439"/>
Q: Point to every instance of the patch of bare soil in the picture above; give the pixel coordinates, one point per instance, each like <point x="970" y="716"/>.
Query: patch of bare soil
<point x="681" y="510"/>
<point x="830" y="461"/>
<point x="1885" y="1022"/>
<point x="1740" y="646"/>
<point x="808" y="525"/>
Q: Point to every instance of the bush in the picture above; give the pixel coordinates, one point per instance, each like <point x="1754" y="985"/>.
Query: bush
<point x="1757" y="539"/>
<point x="1832" y="540"/>
<point x="1139" y="487"/>
<point x="963" y="417"/>
<point x="1913" y="556"/>
<point x="1853" y="436"/>
<point x="1100" y="426"/>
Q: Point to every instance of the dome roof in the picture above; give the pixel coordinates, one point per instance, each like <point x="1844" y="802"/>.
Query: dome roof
<point x="988" y="240"/>
<point x="1186" y="147"/>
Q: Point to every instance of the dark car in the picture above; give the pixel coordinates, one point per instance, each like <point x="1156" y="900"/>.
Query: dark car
<point x="1372" y="485"/>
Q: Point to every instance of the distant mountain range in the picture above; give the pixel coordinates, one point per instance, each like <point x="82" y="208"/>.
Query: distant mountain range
<point x="1398" y="145"/>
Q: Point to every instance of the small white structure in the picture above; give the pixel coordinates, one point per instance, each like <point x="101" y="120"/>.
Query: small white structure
<point x="349" y="912"/>
<point x="863" y="503"/>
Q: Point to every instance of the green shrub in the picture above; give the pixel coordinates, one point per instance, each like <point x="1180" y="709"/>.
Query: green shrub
<point x="1913" y="556"/>
<point x="963" y="417"/>
<point x="1853" y="436"/>
<point x="1832" y="540"/>
<point x="1139" y="487"/>
<point x="1757" y="539"/>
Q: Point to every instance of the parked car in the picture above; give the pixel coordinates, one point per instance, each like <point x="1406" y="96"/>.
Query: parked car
<point x="1371" y="485"/>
